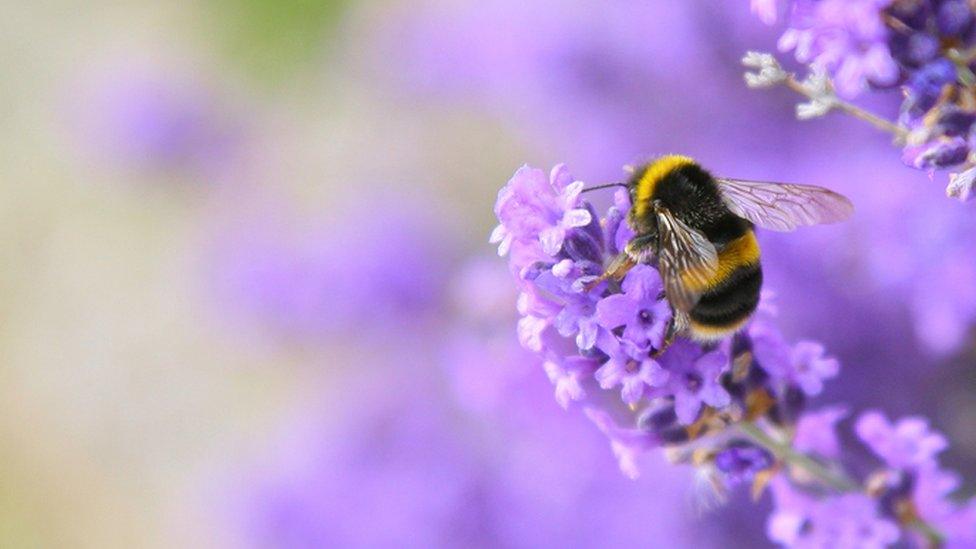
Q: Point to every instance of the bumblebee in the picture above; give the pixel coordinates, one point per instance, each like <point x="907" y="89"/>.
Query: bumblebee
<point x="699" y="230"/>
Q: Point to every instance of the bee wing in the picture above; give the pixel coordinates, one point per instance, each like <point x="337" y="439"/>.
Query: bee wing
<point x="783" y="206"/>
<point x="686" y="260"/>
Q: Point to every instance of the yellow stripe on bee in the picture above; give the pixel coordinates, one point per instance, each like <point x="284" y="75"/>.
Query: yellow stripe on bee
<point x="706" y="333"/>
<point x="655" y="172"/>
<point x="737" y="253"/>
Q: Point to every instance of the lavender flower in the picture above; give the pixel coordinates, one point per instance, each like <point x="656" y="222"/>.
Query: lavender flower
<point x="737" y="410"/>
<point x="398" y="469"/>
<point x="619" y="328"/>
<point x="846" y="38"/>
<point x="567" y="377"/>
<point x="850" y="520"/>
<point x="695" y="379"/>
<point x="741" y="461"/>
<point x="534" y="212"/>
<point x="292" y="283"/>
<point x="906" y="445"/>
<point x="637" y="309"/>
<point x="816" y="432"/>
<point x="808" y="367"/>
<point x="961" y="185"/>
<point x="400" y="466"/>
<point x="926" y="46"/>
<point x="628" y="444"/>
<point x="940" y="154"/>
<point x="629" y="366"/>
<point x="149" y="118"/>
<point x="912" y="486"/>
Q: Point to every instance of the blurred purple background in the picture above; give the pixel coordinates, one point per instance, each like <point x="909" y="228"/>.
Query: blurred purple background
<point x="249" y="296"/>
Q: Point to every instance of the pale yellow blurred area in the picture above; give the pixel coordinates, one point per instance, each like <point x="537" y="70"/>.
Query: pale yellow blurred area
<point x="115" y="385"/>
<point x="117" y="391"/>
<point x="124" y="394"/>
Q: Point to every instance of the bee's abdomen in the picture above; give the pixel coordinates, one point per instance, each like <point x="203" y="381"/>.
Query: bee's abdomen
<point x="733" y="295"/>
<point x="732" y="301"/>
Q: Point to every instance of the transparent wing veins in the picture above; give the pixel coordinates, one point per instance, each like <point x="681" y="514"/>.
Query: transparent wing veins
<point x="686" y="259"/>
<point x="783" y="206"/>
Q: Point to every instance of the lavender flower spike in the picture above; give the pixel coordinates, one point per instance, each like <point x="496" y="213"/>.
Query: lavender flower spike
<point x="927" y="48"/>
<point x="531" y="207"/>
<point x="846" y="38"/>
<point x="736" y="410"/>
<point x="907" y="444"/>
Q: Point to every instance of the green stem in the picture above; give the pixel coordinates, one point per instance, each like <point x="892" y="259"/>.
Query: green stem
<point x="932" y="536"/>
<point x="829" y="477"/>
<point x="786" y="453"/>
<point x="962" y="60"/>
<point x="901" y="134"/>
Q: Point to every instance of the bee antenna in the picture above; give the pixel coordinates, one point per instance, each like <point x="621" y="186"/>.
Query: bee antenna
<point x="598" y="187"/>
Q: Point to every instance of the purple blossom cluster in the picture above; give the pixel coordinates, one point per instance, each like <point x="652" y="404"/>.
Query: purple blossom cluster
<point x="928" y="48"/>
<point x="450" y="445"/>
<point x="303" y="280"/>
<point x="155" y="119"/>
<point x="844" y="38"/>
<point x="737" y="411"/>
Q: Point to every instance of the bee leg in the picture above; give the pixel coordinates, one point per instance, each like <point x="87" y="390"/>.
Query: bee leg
<point x="642" y="247"/>
<point x="616" y="271"/>
<point x="669" y="336"/>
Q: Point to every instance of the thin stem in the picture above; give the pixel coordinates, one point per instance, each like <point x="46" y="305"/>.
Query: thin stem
<point x="830" y="477"/>
<point x="786" y="453"/>
<point x="932" y="536"/>
<point x="962" y="60"/>
<point x="857" y="112"/>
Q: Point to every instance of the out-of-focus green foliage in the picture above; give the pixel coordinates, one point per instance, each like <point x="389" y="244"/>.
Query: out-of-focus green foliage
<point x="272" y="38"/>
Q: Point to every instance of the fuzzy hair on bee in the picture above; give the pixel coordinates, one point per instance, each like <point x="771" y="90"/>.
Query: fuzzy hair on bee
<point x="699" y="230"/>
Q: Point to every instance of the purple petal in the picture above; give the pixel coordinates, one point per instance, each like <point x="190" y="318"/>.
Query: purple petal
<point x="686" y="405"/>
<point x="505" y="245"/>
<point x="811" y="385"/>
<point x="627" y="444"/>
<point x="530" y="330"/>
<point x="880" y="65"/>
<point x="623" y="236"/>
<point x="567" y="386"/>
<point x="643" y="282"/>
<point x="576" y="218"/>
<point x="653" y="374"/>
<point x="570" y="194"/>
<point x="816" y="432"/>
<point x="560" y="177"/>
<point x="563" y="268"/>
<point x="784" y="527"/>
<point x="715" y="395"/>
<point x="497" y="234"/>
<point x="586" y="338"/>
<point x="633" y="389"/>
<point x="615" y="311"/>
<point x="609" y="374"/>
<point x="551" y="239"/>
<point x="566" y="322"/>
<point x="712" y="364"/>
<point x="609" y="344"/>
